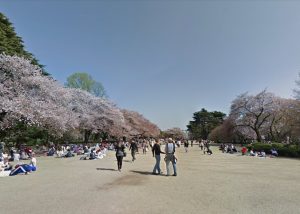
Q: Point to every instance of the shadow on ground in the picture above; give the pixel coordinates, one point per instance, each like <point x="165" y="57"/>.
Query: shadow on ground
<point x="142" y="172"/>
<point x="106" y="169"/>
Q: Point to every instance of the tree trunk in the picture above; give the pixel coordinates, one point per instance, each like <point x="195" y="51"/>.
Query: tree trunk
<point x="2" y="115"/>
<point x="258" y="136"/>
<point x="87" y="134"/>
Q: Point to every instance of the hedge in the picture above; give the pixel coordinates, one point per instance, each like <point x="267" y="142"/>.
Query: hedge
<point x="282" y="149"/>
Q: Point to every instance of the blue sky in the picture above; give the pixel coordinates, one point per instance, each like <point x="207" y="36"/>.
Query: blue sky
<point x="166" y="59"/>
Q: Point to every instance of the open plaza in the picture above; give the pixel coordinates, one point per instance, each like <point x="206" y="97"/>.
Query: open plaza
<point x="218" y="183"/>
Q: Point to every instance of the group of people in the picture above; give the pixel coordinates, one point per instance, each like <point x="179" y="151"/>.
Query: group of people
<point x="170" y="157"/>
<point x="88" y="152"/>
<point x="63" y="151"/>
<point x="228" y="148"/>
<point x="156" y="151"/>
<point x="93" y="153"/>
<point x="203" y="144"/>
<point x="7" y="169"/>
<point x="262" y="153"/>
<point x="169" y="152"/>
<point x="273" y="152"/>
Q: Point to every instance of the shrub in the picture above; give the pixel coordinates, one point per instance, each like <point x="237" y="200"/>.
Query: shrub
<point x="283" y="150"/>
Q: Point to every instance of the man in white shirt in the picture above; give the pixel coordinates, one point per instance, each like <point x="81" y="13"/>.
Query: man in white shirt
<point x="170" y="156"/>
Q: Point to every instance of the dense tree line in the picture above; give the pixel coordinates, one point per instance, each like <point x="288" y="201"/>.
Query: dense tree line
<point x="33" y="105"/>
<point x="30" y="98"/>
<point x="204" y="122"/>
<point x="12" y="44"/>
<point x="263" y="117"/>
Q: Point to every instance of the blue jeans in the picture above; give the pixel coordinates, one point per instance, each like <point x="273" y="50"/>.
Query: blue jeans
<point x="157" y="164"/>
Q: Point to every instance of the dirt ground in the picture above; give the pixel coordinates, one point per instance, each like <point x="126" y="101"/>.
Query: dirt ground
<point x="220" y="183"/>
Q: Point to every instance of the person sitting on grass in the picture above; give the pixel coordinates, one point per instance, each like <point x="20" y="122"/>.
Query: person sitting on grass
<point x="101" y="153"/>
<point x="244" y="151"/>
<point x="59" y="153"/>
<point x="92" y="155"/>
<point x="25" y="168"/>
<point x="33" y="162"/>
<point x="262" y="154"/>
<point x="274" y="153"/>
<point x="252" y="153"/>
<point x="209" y="152"/>
<point x="12" y="152"/>
<point x="20" y="169"/>
<point x="51" y="151"/>
<point x="5" y="168"/>
<point x="69" y="154"/>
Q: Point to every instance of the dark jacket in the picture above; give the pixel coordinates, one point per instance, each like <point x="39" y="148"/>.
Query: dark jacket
<point x="120" y="150"/>
<point x="156" y="150"/>
<point x="133" y="147"/>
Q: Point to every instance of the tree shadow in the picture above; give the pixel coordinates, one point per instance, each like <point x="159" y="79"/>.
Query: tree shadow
<point x="141" y="172"/>
<point x="106" y="169"/>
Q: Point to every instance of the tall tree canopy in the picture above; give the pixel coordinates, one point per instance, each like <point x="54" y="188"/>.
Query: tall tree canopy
<point x="85" y="82"/>
<point x="28" y="98"/>
<point x="175" y="133"/>
<point x="12" y="44"/>
<point x="138" y="125"/>
<point x="204" y="122"/>
<point x="265" y="116"/>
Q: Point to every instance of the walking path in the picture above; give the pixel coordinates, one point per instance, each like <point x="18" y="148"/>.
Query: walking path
<point x="220" y="183"/>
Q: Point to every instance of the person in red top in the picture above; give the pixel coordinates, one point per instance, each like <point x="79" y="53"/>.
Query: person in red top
<point x="244" y="151"/>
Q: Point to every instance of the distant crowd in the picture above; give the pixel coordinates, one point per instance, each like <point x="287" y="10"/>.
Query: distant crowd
<point x="230" y="148"/>
<point x="25" y="160"/>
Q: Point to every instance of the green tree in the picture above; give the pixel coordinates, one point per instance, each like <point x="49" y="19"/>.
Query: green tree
<point x="85" y="82"/>
<point x="11" y="44"/>
<point x="204" y="122"/>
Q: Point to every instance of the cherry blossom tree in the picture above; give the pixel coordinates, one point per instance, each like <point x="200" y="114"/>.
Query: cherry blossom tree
<point x="224" y="133"/>
<point x="138" y="125"/>
<point x="29" y="97"/>
<point x="251" y="112"/>
<point x="175" y="133"/>
<point x="95" y="114"/>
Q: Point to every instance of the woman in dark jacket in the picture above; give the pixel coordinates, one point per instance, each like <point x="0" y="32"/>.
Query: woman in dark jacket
<point x="120" y="153"/>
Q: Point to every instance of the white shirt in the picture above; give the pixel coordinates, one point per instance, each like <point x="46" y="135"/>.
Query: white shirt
<point x="169" y="149"/>
<point x="33" y="161"/>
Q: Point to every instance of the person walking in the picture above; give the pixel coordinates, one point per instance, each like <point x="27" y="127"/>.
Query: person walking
<point x="120" y="153"/>
<point x="170" y="156"/>
<point x="186" y="145"/>
<point x="156" y="151"/>
<point x="134" y="148"/>
<point x="145" y="147"/>
<point x="201" y="144"/>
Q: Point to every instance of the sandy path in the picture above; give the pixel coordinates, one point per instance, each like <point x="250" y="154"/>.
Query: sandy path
<point x="219" y="183"/>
